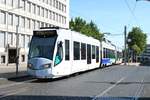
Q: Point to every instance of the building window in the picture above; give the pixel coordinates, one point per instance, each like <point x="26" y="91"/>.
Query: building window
<point x="76" y="50"/>
<point x="38" y="10"/>
<point x="9" y="2"/>
<point x="46" y="13"/>
<point x="50" y="2"/>
<point x="28" y="23"/>
<point x="33" y="24"/>
<point x="93" y="52"/>
<point x="27" y="41"/>
<point x="22" y="4"/>
<point x="2" y="59"/>
<point x="28" y="7"/>
<point x="16" y="20"/>
<point x="23" y="58"/>
<point x="67" y="49"/>
<point x="16" y="3"/>
<point x="2" y="38"/>
<point x="57" y="4"/>
<point x="50" y="15"/>
<point x="10" y="19"/>
<point x="3" y="18"/>
<point x="10" y="38"/>
<point x="33" y="10"/>
<point x="22" y="42"/>
<point x="42" y="12"/>
<point x="22" y="22"/>
<point x="2" y="1"/>
<point x="83" y="51"/>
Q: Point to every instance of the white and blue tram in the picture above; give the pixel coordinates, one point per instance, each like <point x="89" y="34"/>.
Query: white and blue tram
<point x="56" y="52"/>
<point x="108" y="53"/>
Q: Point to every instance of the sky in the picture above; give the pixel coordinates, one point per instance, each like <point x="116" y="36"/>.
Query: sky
<point x="112" y="15"/>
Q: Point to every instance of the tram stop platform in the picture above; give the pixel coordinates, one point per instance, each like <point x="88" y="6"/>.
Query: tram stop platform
<point x="9" y="71"/>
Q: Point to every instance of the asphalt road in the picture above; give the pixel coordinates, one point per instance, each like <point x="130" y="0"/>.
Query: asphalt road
<point x="111" y="83"/>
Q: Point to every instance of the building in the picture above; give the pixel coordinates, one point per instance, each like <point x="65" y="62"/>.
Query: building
<point x="145" y="57"/>
<point x="18" y="18"/>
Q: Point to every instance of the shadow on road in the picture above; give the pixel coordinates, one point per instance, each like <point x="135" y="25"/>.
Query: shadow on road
<point x="34" y="97"/>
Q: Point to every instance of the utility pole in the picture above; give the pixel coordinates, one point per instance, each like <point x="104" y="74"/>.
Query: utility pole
<point x="125" y="45"/>
<point x="17" y="50"/>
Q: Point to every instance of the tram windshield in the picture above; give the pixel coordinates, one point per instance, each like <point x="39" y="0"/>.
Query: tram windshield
<point x="42" y="46"/>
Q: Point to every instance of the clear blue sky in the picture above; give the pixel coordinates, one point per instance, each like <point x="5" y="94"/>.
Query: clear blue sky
<point x="112" y="15"/>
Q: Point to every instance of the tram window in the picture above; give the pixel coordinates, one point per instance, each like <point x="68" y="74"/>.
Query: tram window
<point x="59" y="54"/>
<point x="67" y="48"/>
<point x="76" y="50"/>
<point x="88" y="54"/>
<point x="83" y="51"/>
<point x="93" y="52"/>
<point x="97" y="54"/>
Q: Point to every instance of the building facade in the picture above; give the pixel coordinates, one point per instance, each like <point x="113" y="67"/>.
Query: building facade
<point x="18" y="18"/>
<point x="146" y="54"/>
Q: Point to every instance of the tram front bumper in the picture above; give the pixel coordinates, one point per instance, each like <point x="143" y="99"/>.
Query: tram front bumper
<point x="44" y="73"/>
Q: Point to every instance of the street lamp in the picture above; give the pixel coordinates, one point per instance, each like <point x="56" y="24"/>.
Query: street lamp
<point x="17" y="38"/>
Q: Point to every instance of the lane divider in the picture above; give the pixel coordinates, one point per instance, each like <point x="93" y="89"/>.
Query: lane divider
<point x="108" y="89"/>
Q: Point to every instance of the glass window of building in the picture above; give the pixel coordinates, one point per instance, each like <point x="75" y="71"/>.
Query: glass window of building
<point x="38" y="10"/>
<point x="2" y="38"/>
<point x="54" y="3"/>
<point x="42" y="12"/>
<point x="50" y="15"/>
<point x="57" y="4"/>
<point x="28" y="23"/>
<point x="16" y="3"/>
<point x="22" y="41"/>
<point x="9" y="2"/>
<point x="53" y="15"/>
<point x="22" y="22"/>
<point x="33" y="24"/>
<point x="33" y="10"/>
<point x="50" y="2"/>
<point x="16" y="20"/>
<point x="10" y="38"/>
<point x="3" y="17"/>
<point x="22" y="4"/>
<point x="10" y="19"/>
<point x="2" y="1"/>
<point x="46" y="13"/>
<point x="28" y="8"/>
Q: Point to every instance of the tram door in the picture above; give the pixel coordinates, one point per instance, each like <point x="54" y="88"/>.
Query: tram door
<point x="12" y="55"/>
<point x="88" y="54"/>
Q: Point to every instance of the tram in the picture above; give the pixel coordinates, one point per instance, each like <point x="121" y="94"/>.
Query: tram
<point x="57" y="52"/>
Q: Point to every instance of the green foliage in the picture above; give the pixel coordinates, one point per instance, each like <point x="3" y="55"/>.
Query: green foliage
<point x="89" y="29"/>
<point x="138" y="40"/>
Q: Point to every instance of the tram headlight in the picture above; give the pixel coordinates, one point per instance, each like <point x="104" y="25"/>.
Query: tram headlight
<point x="29" y="65"/>
<point x="46" y="66"/>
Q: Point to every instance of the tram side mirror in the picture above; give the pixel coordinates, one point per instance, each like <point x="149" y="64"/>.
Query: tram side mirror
<point x="60" y="43"/>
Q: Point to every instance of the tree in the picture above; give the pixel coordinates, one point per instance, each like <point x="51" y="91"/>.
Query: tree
<point x="138" y="40"/>
<point x="89" y="29"/>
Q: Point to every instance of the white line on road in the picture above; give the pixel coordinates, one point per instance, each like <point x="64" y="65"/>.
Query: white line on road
<point x="13" y="84"/>
<point x="12" y="92"/>
<point x="108" y="89"/>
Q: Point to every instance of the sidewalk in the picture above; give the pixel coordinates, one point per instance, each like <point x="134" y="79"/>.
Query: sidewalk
<point x="132" y="64"/>
<point x="9" y="71"/>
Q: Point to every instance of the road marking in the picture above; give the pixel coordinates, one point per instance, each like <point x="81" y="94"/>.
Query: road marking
<point x="108" y="89"/>
<point x="12" y="92"/>
<point x="13" y="84"/>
